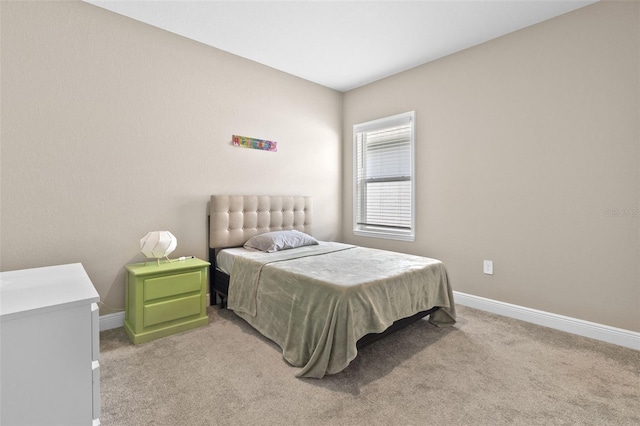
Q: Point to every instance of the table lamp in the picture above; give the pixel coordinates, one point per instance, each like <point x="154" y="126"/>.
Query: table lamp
<point x="158" y="244"/>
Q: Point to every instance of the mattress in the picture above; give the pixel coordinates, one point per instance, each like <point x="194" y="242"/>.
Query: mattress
<point x="225" y="258"/>
<point x="315" y="302"/>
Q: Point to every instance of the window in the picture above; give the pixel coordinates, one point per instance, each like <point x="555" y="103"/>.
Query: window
<point x="384" y="183"/>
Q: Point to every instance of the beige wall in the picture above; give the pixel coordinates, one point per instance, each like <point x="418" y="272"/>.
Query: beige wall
<point x="525" y="147"/>
<point x="112" y="128"/>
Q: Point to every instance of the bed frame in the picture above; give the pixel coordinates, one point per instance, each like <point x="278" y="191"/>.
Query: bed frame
<point x="233" y="219"/>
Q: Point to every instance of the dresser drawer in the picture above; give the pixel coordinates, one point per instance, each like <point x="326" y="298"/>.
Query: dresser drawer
<point x="95" y="366"/>
<point x="172" y="285"/>
<point x="171" y="310"/>
<point x="95" y="332"/>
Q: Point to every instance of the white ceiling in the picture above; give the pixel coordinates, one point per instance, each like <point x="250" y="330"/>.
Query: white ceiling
<point x="341" y="44"/>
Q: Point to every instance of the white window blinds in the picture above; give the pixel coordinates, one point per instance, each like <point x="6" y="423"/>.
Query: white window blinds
<point x="383" y="204"/>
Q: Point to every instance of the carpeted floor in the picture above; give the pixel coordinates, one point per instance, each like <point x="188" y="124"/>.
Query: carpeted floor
<point x="485" y="370"/>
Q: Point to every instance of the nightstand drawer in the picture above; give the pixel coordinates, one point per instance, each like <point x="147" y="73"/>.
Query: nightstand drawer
<point x="171" y="285"/>
<point x="171" y="310"/>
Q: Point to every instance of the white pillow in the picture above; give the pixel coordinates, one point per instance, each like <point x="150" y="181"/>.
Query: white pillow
<point x="280" y="240"/>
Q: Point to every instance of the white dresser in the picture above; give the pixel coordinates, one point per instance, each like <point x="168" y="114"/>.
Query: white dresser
<point x="49" y="347"/>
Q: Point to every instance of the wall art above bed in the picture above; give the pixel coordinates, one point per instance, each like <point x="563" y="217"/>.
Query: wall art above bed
<point x="253" y="143"/>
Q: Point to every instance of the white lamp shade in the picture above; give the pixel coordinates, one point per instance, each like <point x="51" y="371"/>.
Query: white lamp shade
<point x="158" y="244"/>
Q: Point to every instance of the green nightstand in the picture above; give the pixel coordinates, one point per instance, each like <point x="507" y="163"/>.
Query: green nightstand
<point x="165" y="299"/>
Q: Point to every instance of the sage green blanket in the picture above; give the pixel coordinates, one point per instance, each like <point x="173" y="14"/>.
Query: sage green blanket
<point x="315" y="302"/>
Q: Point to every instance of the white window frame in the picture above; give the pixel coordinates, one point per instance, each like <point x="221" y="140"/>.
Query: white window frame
<point x="384" y="232"/>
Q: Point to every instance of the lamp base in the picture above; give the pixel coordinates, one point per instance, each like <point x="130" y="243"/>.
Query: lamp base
<point x="158" y="260"/>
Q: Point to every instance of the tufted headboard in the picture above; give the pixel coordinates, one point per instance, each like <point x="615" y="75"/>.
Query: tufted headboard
<point x="233" y="219"/>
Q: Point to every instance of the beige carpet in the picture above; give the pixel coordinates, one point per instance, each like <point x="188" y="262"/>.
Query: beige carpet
<point x="486" y="370"/>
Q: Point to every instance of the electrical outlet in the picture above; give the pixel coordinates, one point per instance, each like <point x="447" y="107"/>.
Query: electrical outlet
<point x="488" y="267"/>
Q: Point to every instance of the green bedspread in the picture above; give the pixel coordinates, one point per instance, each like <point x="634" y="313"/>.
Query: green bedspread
<point x="315" y="302"/>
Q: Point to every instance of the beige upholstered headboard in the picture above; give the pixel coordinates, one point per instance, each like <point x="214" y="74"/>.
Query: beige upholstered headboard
<point x="233" y="219"/>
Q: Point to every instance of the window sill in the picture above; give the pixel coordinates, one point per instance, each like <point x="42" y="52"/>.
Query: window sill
<point x="385" y="235"/>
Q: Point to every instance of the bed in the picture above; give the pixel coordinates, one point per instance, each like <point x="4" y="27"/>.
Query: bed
<point x="319" y="301"/>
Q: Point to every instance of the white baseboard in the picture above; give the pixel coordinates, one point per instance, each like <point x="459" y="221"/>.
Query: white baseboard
<point x="109" y="321"/>
<point x="605" y="333"/>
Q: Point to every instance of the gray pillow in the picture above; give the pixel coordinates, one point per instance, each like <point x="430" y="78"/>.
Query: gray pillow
<point x="280" y="240"/>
